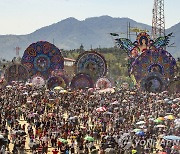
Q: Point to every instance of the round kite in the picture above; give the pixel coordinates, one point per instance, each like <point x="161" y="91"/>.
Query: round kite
<point x="57" y="81"/>
<point x="154" y="82"/>
<point x="91" y="63"/>
<point x="103" y="83"/>
<point x="41" y="58"/>
<point x="82" y="81"/>
<point x="16" y="72"/>
<point x="151" y="61"/>
<point x="174" y="85"/>
<point x="38" y="81"/>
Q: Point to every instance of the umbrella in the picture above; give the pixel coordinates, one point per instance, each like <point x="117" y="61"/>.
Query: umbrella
<point x="169" y="117"/>
<point x="124" y="101"/>
<point x="170" y="102"/>
<point x="108" y="113"/>
<point x="101" y="109"/>
<point x="142" y="126"/>
<point x="158" y="121"/>
<point x="161" y="118"/>
<point x="1" y="136"/>
<point x="177" y="120"/>
<point x="8" y="86"/>
<point x="140" y="133"/>
<point x="151" y="119"/>
<point x="160" y="126"/>
<point x="171" y="137"/>
<point x="63" y="91"/>
<point x="134" y="151"/>
<point x="140" y="123"/>
<point x="63" y="140"/>
<point x="25" y="93"/>
<point x="176" y="100"/>
<point x="58" y="88"/>
<point x="136" y="130"/>
<point x="89" y="138"/>
<point x="166" y="100"/>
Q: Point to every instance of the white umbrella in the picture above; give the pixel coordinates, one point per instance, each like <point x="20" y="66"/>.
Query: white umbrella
<point x="1" y="136"/>
<point x="124" y="101"/>
<point x="8" y="86"/>
<point x="140" y="123"/>
<point x="142" y="126"/>
<point x="160" y="126"/>
<point x="166" y="100"/>
<point x="176" y="100"/>
<point x="177" y="120"/>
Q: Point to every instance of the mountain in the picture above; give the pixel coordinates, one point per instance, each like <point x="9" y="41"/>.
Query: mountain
<point x="71" y="33"/>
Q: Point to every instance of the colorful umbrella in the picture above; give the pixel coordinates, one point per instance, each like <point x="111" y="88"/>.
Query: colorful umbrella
<point x="101" y="109"/>
<point x="169" y="117"/>
<point x="158" y="121"/>
<point x="134" y="151"/>
<point x="63" y="140"/>
<point x="140" y="133"/>
<point x="161" y="118"/>
<point x="89" y="138"/>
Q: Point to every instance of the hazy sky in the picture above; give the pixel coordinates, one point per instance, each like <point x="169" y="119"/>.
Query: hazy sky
<point x="26" y="16"/>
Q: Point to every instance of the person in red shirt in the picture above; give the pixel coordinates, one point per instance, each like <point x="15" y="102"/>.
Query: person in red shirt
<point x="55" y="151"/>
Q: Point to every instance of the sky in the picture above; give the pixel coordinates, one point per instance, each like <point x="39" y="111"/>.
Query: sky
<point x="25" y="16"/>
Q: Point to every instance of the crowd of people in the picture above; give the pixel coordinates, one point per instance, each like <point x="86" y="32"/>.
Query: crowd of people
<point x="86" y="121"/>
